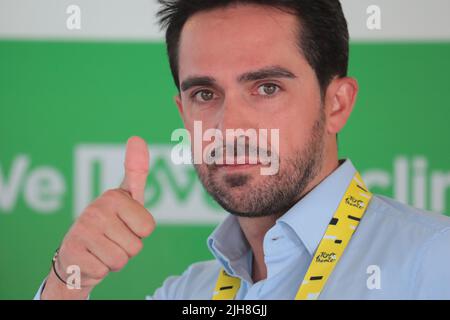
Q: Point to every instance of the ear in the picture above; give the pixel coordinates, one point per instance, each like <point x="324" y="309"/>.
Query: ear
<point x="339" y="101"/>
<point x="179" y="104"/>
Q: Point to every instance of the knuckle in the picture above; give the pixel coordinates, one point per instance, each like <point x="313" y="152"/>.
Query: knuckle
<point x="119" y="262"/>
<point x="148" y="225"/>
<point x="95" y="213"/>
<point x="136" y="247"/>
<point x="145" y="229"/>
<point x="112" y="194"/>
<point x="82" y="229"/>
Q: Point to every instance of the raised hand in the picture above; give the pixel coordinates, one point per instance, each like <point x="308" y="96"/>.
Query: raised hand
<point x="109" y="231"/>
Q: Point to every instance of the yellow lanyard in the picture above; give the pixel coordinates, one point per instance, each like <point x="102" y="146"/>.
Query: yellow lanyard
<point x="337" y="236"/>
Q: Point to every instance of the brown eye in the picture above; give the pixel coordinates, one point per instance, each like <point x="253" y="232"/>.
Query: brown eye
<point x="268" y="89"/>
<point x="204" y="95"/>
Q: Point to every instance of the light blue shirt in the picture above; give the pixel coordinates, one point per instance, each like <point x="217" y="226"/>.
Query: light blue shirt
<point x="397" y="252"/>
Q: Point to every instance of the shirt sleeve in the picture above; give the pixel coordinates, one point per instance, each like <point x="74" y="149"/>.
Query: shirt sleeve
<point x="41" y="288"/>
<point x="39" y="292"/>
<point x="433" y="273"/>
<point x="172" y="288"/>
<point x="196" y="282"/>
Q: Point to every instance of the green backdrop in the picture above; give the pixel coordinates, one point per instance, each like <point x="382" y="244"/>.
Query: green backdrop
<point x="56" y="96"/>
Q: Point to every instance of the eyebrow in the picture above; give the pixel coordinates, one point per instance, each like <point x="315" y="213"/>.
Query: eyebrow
<point x="268" y="72"/>
<point x="197" y="81"/>
<point x="261" y="74"/>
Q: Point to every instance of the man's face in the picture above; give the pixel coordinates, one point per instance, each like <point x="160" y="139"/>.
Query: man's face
<point x="241" y="68"/>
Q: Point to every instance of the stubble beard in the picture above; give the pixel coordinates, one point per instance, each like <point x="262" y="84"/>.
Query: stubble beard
<point x="271" y="195"/>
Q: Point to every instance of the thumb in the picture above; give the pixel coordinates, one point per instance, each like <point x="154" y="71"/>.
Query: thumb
<point x="136" y="168"/>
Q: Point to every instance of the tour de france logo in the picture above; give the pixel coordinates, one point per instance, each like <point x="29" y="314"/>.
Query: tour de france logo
<point x="352" y="201"/>
<point x="326" y="257"/>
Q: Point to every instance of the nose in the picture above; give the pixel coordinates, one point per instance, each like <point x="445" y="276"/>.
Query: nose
<point x="235" y="114"/>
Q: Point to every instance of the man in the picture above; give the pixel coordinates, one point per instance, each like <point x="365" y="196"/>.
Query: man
<point x="274" y="64"/>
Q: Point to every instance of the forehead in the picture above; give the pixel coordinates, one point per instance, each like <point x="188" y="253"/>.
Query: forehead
<point x="238" y="38"/>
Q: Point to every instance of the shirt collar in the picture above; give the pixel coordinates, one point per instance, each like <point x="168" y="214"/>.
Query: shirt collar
<point x="307" y="220"/>
<point x="230" y="246"/>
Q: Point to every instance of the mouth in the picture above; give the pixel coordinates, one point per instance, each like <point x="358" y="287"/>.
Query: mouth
<point x="236" y="166"/>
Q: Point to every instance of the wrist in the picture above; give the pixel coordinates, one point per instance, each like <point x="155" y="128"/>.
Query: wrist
<point x="54" y="289"/>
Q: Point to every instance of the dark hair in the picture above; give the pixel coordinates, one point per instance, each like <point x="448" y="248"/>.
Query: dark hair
<point x="323" y="39"/>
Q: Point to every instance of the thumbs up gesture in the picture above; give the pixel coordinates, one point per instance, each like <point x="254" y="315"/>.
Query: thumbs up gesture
<point x="108" y="233"/>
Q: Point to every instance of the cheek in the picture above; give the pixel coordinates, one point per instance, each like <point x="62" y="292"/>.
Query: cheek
<point x="296" y="126"/>
<point x="209" y="116"/>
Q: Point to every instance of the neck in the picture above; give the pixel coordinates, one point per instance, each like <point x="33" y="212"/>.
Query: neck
<point x="255" y="229"/>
